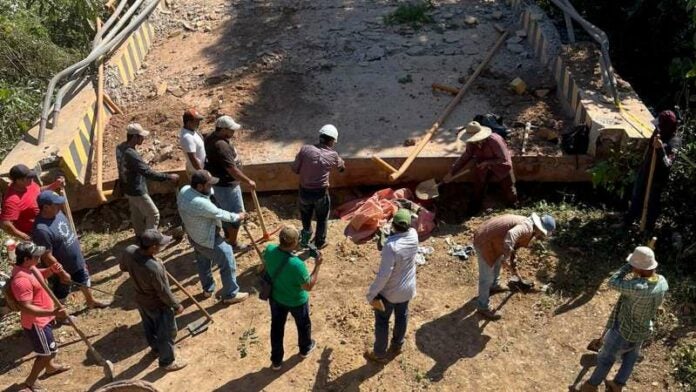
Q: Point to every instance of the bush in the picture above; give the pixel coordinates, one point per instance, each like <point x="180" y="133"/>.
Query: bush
<point x="414" y="14"/>
<point x="684" y="360"/>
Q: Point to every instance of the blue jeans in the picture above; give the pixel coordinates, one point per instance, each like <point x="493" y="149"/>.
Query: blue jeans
<point x="229" y="198"/>
<point x="279" y="315"/>
<point x="160" y="331"/>
<point x="400" y="311"/>
<point x="615" y="346"/>
<point x="315" y="202"/>
<point x="488" y="277"/>
<point x="222" y="255"/>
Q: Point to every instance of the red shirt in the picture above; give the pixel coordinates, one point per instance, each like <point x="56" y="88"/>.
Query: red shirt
<point x="26" y="288"/>
<point x="493" y="149"/>
<point x="21" y="208"/>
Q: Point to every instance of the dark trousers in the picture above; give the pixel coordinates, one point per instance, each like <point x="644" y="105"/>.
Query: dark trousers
<point x="507" y="187"/>
<point x="400" y="311"/>
<point x="315" y="202"/>
<point x="635" y="211"/>
<point x="279" y="314"/>
<point x="160" y="331"/>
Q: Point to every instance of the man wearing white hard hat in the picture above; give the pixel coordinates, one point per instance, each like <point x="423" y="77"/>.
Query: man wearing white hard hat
<point x="631" y="320"/>
<point x="496" y="242"/>
<point x="492" y="163"/>
<point x="132" y="175"/>
<point x="223" y="162"/>
<point x="314" y="163"/>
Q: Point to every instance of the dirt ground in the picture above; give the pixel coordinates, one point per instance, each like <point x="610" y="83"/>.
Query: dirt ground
<point x="284" y="68"/>
<point x="536" y="347"/>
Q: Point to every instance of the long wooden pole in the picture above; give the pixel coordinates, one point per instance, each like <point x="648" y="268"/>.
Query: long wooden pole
<point x="100" y="124"/>
<point x="648" y="188"/>
<point x="443" y="117"/>
<point x="181" y="287"/>
<point x="266" y="236"/>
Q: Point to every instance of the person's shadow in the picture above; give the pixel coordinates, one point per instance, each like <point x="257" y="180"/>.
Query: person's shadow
<point x="350" y="381"/>
<point x="452" y="337"/>
<point x="260" y="379"/>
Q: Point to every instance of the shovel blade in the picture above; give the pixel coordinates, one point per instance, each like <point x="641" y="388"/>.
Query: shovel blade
<point x="198" y="326"/>
<point x="427" y="190"/>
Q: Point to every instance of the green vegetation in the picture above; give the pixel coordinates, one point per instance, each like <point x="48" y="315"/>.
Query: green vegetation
<point x="414" y="14"/>
<point x="684" y="360"/>
<point x="39" y="38"/>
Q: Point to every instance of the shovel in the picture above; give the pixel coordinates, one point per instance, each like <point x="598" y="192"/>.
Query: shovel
<point x="586" y="362"/>
<point x="429" y="189"/>
<point x="200" y="325"/>
<point x="106" y="364"/>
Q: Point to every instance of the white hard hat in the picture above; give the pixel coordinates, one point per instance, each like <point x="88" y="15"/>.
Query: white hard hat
<point x="330" y="131"/>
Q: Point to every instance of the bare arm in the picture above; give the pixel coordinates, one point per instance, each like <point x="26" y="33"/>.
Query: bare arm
<point x="10" y="229"/>
<point x="315" y="274"/>
<point x="198" y="165"/>
<point x="35" y="310"/>
<point x="236" y="173"/>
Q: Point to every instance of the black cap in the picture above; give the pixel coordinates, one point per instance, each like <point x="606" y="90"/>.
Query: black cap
<point x="202" y="177"/>
<point x="17" y="172"/>
<point x="152" y="237"/>
<point x="27" y="249"/>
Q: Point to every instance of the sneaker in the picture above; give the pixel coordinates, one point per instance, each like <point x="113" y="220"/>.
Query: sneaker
<point x="176" y="365"/>
<point x="612" y="386"/>
<point x="239" y="297"/>
<point x="489" y="314"/>
<point x="311" y="348"/>
<point x="372" y="357"/>
<point x="498" y="289"/>
<point x="276" y="366"/>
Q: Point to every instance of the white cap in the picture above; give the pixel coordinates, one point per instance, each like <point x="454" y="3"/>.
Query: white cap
<point x="136" y="129"/>
<point x="642" y="258"/>
<point x="227" y="122"/>
<point x="330" y="131"/>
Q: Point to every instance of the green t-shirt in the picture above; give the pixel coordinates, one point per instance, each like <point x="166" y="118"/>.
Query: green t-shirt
<point x="287" y="287"/>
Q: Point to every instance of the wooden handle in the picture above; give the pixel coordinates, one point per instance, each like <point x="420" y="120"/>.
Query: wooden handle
<point x="253" y="243"/>
<point x="59" y="306"/>
<point x="447" y="89"/>
<point x="383" y="164"/>
<point x="99" y="125"/>
<point x="177" y="284"/>
<point x="67" y="211"/>
<point x="461" y="173"/>
<point x="651" y="243"/>
<point x="443" y="117"/>
<point x="646" y="200"/>
<point x="258" y="210"/>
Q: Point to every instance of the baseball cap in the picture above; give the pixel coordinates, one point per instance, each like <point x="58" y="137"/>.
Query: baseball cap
<point x="642" y="258"/>
<point x="152" y="237"/>
<point x="49" y="198"/>
<point x="136" y="129"/>
<point x="202" y="177"/>
<point x="402" y="218"/>
<point x="192" y="114"/>
<point x="17" y="172"/>
<point x="227" y="122"/>
<point x="28" y="249"/>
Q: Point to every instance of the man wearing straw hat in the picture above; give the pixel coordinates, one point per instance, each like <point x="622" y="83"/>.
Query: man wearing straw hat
<point x="631" y="321"/>
<point x="492" y="162"/>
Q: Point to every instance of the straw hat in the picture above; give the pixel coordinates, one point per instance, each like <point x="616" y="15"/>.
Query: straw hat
<point x="474" y="132"/>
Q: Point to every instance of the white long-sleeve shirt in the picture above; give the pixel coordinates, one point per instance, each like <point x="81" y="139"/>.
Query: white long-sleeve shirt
<point x="396" y="278"/>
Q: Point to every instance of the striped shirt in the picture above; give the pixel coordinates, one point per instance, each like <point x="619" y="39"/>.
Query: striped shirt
<point x="201" y="217"/>
<point x="637" y="305"/>
<point x="502" y="235"/>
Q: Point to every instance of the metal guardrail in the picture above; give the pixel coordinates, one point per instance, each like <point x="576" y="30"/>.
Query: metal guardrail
<point x="570" y="14"/>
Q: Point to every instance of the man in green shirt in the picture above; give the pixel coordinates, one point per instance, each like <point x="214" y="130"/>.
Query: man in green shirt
<point x="291" y="285"/>
<point x="631" y="321"/>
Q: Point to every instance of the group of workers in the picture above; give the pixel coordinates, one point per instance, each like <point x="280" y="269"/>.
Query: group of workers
<point x="212" y="200"/>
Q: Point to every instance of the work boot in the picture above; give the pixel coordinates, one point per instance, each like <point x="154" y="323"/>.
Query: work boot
<point x="489" y="314"/>
<point x="372" y="357"/>
<point x="613" y="386"/>
<point x="587" y="387"/>
<point x="305" y="236"/>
